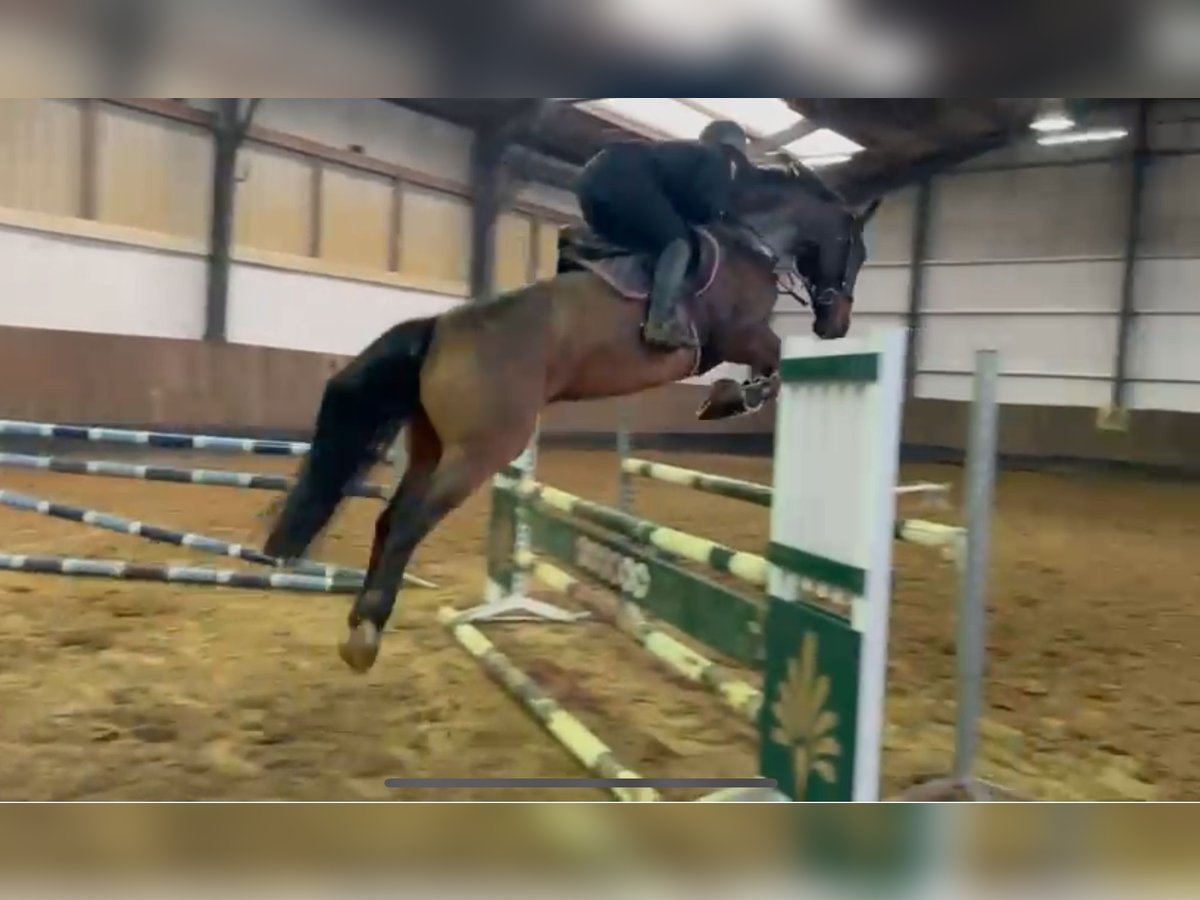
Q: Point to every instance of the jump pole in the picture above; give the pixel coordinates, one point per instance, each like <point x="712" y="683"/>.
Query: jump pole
<point x="914" y="531"/>
<point x="163" y="535"/>
<point x="591" y="752"/>
<point x="740" y="696"/>
<point x="737" y="488"/>
<point x="165" y="440"/>
<point x="170" y="474"/>
<point x="131" y="571"/>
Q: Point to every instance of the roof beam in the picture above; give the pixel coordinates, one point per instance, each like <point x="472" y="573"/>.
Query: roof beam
<point x="529" y="165"/>
<point x="780" y="139"/>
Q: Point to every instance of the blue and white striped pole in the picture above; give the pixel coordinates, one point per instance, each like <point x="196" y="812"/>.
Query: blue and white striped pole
<point x="209" y="477"/>
<point x="165" y="440"/>
<point x="129" y="571"/>
<point x="162" y="535"/>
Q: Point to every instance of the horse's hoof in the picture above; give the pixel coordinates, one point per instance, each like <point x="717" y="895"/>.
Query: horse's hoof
<point x="361" y="646"/>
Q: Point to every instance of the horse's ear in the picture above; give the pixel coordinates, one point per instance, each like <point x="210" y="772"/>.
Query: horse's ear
<point x="864" y="215"/>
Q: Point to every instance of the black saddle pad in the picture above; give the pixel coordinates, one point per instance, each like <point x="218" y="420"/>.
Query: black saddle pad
<point x="631" y="274"/>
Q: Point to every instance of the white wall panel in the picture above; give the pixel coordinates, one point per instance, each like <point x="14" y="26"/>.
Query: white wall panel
<point x="1021" y="286"/>
<point x="1183" y="133"/>
<point x="872" y="323"/>
<point x="1177" y="397"/>
<point x="275" y="308"/>
<point x="1165" y="347"/>
<point x="1168" y="284"/>
<point x="882" y="289"/>
<point x="78" y="284"/>
<point x="1056" y="345"/>
<point x="889" y="236"/>
<point x="1029" y="213"/>
<point x="1171" y="209"/>
<point x="1017" y="390"/>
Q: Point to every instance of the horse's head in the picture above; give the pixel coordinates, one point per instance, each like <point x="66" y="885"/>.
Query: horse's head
<point x="829" y="264"/>
<point x="811" y="233"/>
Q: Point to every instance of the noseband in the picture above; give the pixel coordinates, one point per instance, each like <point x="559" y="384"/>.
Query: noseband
<point x="789" y="280"/>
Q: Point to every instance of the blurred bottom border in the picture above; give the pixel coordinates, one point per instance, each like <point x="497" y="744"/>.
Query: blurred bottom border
<point x="881" y="847"/>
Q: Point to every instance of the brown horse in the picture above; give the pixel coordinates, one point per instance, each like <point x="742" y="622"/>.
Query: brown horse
<point x="470" y="384"/>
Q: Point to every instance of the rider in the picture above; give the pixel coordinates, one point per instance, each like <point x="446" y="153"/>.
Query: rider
<point x="647" y="196"/>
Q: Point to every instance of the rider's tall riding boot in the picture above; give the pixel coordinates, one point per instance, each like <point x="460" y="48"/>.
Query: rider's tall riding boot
<point x="664" y="326"/>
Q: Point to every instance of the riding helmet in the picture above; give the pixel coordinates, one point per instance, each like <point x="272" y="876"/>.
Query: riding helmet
<point x="725" y="133"/>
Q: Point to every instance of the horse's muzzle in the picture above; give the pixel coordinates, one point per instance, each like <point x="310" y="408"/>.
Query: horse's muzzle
<point x="833" y="321"/>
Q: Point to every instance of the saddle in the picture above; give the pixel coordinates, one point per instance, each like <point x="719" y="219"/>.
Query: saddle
<point x="632" y="274"/>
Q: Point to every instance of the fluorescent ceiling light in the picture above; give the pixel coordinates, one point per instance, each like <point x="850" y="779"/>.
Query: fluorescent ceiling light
<point x="1053" y="117"/>
<point x="822" y="143"/>
<point x="651" y="116"/>
<point x="1052" y="122"/>
<point x="1083" y="137"/>
<point x="761" y="116"/>
<point x="819" y="162"/>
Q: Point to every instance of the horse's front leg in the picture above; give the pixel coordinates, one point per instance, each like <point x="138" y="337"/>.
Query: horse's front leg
<point x="760" y="349"/>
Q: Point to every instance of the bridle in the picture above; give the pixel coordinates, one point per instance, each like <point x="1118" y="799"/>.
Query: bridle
<point x="789" y="280"/>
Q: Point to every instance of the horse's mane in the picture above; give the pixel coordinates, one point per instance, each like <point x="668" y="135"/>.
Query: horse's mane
<point x="788" y="175"/>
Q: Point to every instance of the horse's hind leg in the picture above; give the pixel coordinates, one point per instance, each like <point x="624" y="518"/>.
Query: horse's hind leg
<point x="423" y="451"/>
<point x="412" y="515"/>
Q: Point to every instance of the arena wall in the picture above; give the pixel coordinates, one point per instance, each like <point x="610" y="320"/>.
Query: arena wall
<point x="354" y="215"/>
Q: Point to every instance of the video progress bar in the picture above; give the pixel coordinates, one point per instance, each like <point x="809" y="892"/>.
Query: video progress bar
<point x="712" y="783"/>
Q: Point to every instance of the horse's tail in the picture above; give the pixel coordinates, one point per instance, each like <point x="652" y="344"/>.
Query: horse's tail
<point x="363" y="409"/>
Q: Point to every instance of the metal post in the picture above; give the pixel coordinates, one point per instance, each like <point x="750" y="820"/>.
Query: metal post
<point x="486" y="174"/>
<point x="624" y="452"/>
<point x="1139" y="163"/>
<point x="494" y="180"/>
<point x="972" y="615"/>
<point x="916" y="283"/>
<point x="220" y="235"/>
<point x="229" y="128"/>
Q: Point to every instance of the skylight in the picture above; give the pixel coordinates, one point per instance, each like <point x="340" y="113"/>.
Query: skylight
<point x="820" y="162"/>
<point x="668" y="117"/>
<point x="761" y="116"/>
<point x="823" y="143"/>
<point x="651" y="116"/>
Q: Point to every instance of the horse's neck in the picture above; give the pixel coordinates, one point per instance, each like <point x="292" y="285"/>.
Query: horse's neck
<point x="784" y="229"/>
<point x="778" y="234"/>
